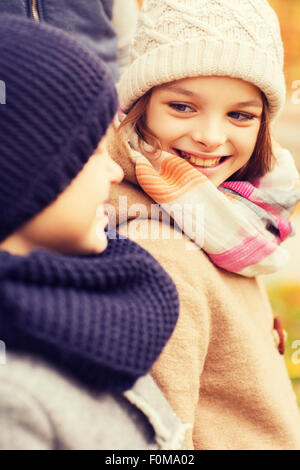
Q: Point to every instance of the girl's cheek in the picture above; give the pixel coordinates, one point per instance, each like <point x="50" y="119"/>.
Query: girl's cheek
<point x="252" y="139"/>
<point x="244" y="139"/>
<point x="170" y="129"/>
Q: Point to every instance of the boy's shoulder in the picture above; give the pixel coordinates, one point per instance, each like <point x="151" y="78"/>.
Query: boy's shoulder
<point x="41" y="408"/>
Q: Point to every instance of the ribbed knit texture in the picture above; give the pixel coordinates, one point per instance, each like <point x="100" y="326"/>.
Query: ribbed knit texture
<point x="176" y="39"/>
<point x="102" y="318"/>
<point x="60" y="99"/>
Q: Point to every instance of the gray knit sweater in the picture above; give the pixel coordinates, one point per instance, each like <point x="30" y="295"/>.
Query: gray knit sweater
<point x="40" y="409"/>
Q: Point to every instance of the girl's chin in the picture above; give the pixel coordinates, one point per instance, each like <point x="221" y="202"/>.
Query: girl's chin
<point x="219" y="173"/>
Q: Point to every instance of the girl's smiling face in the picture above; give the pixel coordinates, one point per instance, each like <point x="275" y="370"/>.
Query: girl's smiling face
<point x="212" y="122"/>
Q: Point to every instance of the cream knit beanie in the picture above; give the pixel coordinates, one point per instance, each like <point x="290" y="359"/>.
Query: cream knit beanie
<point x="177" y="39"/>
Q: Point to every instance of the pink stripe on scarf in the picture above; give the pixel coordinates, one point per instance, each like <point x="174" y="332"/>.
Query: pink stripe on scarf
<point x="284" y="225"/>
<point x="242" y="187"/>
<point x="250" y="252"/>
<point x="246" y="189"/>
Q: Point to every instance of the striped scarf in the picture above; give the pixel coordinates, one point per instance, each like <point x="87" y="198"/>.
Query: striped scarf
<point x="240" y="224"/>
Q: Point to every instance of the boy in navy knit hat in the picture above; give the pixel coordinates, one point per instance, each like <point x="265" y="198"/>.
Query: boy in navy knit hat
<point x="78" y="322"/>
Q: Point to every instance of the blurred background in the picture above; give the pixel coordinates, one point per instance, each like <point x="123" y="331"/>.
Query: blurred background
<point x="284" y="287"/>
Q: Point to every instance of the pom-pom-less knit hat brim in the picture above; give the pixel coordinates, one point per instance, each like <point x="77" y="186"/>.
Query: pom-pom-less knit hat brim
<point x="177" y="39"/>
<point x="185" y="60"/>
<point x="60" y="99"/>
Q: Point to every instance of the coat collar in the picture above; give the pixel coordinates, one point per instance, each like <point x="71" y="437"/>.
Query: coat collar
<point x="147" y="397"/>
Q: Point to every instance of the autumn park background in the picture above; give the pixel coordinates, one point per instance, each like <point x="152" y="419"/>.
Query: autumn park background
<point x="284" y="287"/>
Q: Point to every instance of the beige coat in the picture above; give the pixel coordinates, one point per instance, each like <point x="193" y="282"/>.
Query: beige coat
<point x="221" y="369"/>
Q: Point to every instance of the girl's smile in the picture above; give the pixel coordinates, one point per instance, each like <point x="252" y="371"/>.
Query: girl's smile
<point x="211" y="122"/>
<point x="203" y="162"/>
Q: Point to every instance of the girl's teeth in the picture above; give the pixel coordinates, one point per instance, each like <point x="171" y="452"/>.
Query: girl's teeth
<point x="205" y="162"/>
<point x="202" y="161"/>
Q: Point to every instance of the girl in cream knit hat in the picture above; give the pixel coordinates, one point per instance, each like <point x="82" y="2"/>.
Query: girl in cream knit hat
<point x="205" y="83"/>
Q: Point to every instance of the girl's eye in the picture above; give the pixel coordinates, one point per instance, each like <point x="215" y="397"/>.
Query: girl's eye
<point x="238" y="116"/>
<point x="181" y="107"/>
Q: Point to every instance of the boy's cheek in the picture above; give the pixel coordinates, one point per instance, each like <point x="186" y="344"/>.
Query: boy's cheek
<point x="61" y="223"/>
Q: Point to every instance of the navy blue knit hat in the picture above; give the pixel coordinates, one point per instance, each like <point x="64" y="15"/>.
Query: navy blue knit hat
<point x="60" y="99"/>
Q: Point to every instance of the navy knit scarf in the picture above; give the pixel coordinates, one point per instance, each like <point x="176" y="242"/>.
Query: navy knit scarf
<point x="104" y="318"/>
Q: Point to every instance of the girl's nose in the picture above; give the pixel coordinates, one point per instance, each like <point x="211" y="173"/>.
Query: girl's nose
<point x="210" y="134"/>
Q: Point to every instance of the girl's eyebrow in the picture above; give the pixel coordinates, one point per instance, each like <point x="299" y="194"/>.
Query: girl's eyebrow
<point x="186" y="92"/>
<point x="183" y="91"/>
<point x="255" y="103"/>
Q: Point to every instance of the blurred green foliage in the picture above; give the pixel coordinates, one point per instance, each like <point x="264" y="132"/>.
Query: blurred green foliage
<point x="285" y="301"/>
